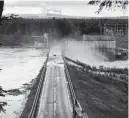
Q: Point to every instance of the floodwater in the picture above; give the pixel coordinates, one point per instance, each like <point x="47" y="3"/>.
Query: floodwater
<point x="18" y="66"/>
<point x="80" y="51"/>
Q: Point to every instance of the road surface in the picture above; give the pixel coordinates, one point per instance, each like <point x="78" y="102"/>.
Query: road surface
<point x="55" y="102"/>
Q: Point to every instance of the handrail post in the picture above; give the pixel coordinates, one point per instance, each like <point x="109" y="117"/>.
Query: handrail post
<point x="74" y="111"/>
<point x="78" y="112"/>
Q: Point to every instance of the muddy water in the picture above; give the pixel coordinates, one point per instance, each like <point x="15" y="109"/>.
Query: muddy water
<point x="78" y="50"/>
<point x="18" y="66"/>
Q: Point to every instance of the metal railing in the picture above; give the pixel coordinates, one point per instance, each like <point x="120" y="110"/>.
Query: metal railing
<point x="78" y="112"/>
<point x="33" y="110"/>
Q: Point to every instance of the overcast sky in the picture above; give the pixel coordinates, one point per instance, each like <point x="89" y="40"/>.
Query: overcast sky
<point x="66" y="7"/>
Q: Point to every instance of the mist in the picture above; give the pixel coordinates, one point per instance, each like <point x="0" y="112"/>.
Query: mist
<point x="82" y="51"/>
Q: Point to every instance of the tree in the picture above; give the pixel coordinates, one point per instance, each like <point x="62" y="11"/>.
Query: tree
<point x="1" y="9"/>
<point x="2" y="104"/>
<point x="1" y="90"/>
<point x="4" y="18"/>
<point x="109" y="4"/>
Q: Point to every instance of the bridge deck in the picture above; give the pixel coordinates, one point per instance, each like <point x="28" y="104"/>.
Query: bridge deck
<point x="55" y="102"/>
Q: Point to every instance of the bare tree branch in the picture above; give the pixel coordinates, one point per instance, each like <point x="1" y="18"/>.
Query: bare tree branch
<point x="109" y="4"/>
<point x="2" y="104"/>
<point x="7" y="18"/>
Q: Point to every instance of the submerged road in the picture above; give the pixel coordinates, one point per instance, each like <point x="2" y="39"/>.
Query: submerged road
<point x="55" y="102"/>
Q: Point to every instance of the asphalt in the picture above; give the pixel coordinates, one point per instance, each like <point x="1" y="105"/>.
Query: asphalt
<point x="55" y="102"/>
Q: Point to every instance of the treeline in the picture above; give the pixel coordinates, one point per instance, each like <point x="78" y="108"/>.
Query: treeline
<point x="18" y="30"/>
<point x="62" y="27"/>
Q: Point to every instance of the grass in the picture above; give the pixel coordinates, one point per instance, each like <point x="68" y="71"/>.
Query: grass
<point x="100" y="96"/>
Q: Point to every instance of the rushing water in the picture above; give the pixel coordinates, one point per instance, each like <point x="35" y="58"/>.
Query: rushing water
<point x="80" y="51"/>
<point x="18" y="66"/>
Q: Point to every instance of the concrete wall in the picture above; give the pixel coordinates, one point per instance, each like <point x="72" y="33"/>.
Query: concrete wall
<point x="102" y="44"/>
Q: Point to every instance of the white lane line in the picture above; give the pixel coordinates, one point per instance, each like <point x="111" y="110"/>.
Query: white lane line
<point x="54" y="89"/>
<point x="59" y="98"/>
<point x="54" y="102"/>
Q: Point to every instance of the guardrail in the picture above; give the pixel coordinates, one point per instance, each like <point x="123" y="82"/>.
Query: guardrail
<point x="78" y="112"/>
<point x="33" y="111"/>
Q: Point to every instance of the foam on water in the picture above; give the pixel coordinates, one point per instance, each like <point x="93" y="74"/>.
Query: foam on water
<point x="78" y="50"/>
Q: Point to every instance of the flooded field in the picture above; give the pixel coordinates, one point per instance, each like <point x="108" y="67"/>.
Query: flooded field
<point x="18" y="67"/>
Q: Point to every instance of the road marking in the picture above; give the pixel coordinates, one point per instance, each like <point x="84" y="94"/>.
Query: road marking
<point x="55" y="86"/>
<point x="55" y="92"/>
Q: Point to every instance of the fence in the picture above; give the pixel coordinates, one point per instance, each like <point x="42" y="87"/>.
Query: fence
<point x="78" y="112"/>
<point x="98" y="48"/>
<point x="33" y="111"/>
<point x="106" y="45"/>
<point x="116" y="29"/>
